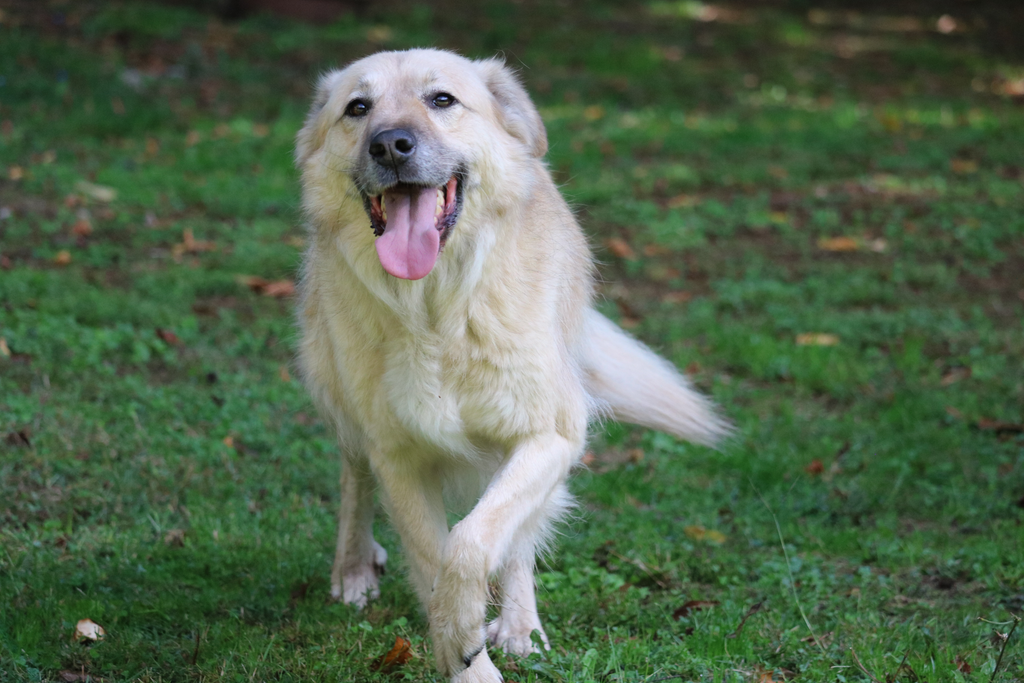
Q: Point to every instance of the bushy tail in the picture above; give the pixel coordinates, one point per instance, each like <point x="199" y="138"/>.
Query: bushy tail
<point x="634" y="385"/>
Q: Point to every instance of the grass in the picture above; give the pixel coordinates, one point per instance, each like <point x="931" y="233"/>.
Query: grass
<point x="163" y="475"/>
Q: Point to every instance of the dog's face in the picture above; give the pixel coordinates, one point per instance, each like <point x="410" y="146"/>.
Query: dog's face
<point x="415" y="134"/>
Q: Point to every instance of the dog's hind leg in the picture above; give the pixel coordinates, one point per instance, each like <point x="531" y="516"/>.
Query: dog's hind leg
<point x="513" y="628"/>
<point x="359" y="559"/>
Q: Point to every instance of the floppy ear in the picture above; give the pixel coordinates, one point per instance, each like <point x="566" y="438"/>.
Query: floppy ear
<point x="312" y="135"/>
<point x="518" y="115"/>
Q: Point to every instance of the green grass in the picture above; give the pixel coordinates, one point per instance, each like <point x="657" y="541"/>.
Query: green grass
<point x="722" y="153"/>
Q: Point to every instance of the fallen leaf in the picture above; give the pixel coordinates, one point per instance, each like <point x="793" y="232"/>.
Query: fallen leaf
<point x="62" y="258"/>
<point x="963" y="166"/>
<point x="961" y="664"/>
<point x="79" y="677"/>
<point x="100" y="193"/>
<point x="636" y="455"/>
<point x="282" y="372"/>
<point x="692" y="606"/>
<point x="87" y="629"/>
<point x="279" y="288"/>
<point x="5" y="263"/>
<point x="5" y="350"/>
<point x="999" y="426"/>
<point x="587" y="459"/>
<point x="15" y="173"/>
<point x="168" y="337"/>
<point x="620" y="247"/>
<point x="192" y="138"/>
<point x="838" y="244"/>
<point x="955" y="375"/>
<point x="594" y="112"/>
<point x="816" y="339"/>
<point x="228" y="441"/>
<point x="175" y="538"/>
<point x="190" y="245"/>
<point x="676" y="297"/>
<point x="682" y="201"/>
<point x="82" y="228"/>
<point x="815" y="468"/>
<point x="18" y="438"/>
<point x="698" y="533"/>
<point x="398" y="655"/>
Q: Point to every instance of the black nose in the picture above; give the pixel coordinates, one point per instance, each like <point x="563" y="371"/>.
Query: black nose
<point x="392" y="147"/>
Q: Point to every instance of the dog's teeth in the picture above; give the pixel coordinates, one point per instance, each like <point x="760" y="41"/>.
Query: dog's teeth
<point x="440" y="204"/>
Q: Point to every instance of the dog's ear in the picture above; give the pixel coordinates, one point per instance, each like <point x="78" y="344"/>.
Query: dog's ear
<point x="312" y="135"/>
<point x="518" y="114"/>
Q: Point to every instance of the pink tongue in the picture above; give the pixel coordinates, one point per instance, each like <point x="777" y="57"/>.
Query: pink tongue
<point x="409" y="246"/>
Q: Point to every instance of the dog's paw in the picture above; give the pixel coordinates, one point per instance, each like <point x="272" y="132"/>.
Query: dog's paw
<point x="482" y="670"/>
<point x="361" y="584"/>
<point x="513" y="635"/>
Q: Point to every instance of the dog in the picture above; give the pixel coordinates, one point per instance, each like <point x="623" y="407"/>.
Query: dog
<point x="448" y="335"/>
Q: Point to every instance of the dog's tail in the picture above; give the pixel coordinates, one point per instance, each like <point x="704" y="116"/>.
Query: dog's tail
<point x="632" y="384"/>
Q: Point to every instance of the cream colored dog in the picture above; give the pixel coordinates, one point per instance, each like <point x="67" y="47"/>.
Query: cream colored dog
<point x="448" y="335"/>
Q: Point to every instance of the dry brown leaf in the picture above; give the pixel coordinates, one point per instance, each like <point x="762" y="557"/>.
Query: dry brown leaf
<point x="682" y="201"/>
<point x="594" y="112"/>
<point x="79" y="677"/>
<point x="816" y="339"/>
<point x="5" y="350"/>
<point x="282" y="372"/>
<point x="399" y="654"/>
<point x="87" y="629"/>
<point x="692" y="606"/>
<point x="815" y="467"/>
<point x="620" y="247"/>
<point x="838" y="244"/>
<point x="168" y="337"/>
<point x="82" y="228"/>
<point x="62" y="258"/>
<point x="279" y="289"/>
<point x="954" y="376"/>
<point x="963" y="166"/>
<point x="962" y="664"/>
<point x="698" y="533"/>
<point x="192" y="138"/>
<point x="15" y="173"/>
<point x="175" y="538"/>
<point x="676" y="297"/>
<point x="190" y="245"/>
<point x="587" y="459"/>
<point x="228" y="441"/>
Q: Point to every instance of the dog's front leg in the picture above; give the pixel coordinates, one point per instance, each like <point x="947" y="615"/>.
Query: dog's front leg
<point x="358" y="559"/>
<point x="414" y="498"/>
<point x="478" y="545"/>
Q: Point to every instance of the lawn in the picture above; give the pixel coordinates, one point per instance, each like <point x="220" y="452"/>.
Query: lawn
<point x="819" y="215"/>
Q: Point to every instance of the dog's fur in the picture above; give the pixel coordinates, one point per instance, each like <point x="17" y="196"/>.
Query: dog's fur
<point x="478" y="381"/>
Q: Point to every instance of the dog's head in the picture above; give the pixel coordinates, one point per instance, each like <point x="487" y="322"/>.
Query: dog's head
<point x="414" y="134"/>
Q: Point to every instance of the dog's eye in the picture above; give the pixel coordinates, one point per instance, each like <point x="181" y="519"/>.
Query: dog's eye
<point x="357" y="108"/>
<point x="442" y="100"/>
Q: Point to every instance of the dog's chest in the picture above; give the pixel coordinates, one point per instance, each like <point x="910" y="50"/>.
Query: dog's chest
<point x="454" y="393"/>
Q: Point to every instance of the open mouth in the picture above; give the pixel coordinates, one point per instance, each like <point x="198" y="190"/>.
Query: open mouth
<point x="412" y="223"/>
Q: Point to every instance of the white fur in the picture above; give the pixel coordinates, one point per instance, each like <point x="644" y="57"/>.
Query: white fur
<point x="476" y="382"/>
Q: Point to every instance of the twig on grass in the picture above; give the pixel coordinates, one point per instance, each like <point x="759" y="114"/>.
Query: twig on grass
<point x="789" y="569"/>
<point x="1005" y="639"/>
<point x="862" y="667"/>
